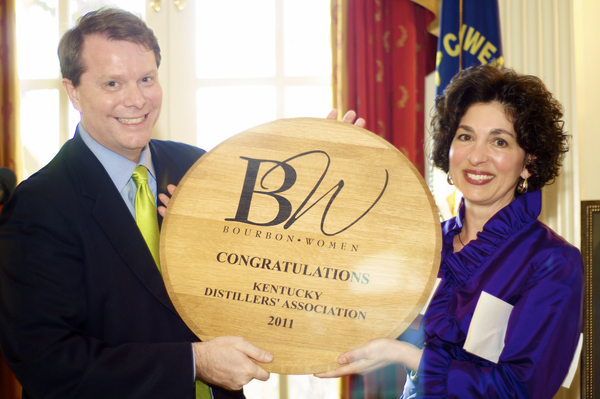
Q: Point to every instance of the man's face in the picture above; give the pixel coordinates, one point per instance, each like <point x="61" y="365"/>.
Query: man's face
<point x="119" y="96"/>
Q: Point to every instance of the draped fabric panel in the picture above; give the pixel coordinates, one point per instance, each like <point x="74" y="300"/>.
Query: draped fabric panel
<point x="10" y="145"/>
<point x="9" y="386"/>
<point x="381" y="53"/>
<point x="9" y="138"/>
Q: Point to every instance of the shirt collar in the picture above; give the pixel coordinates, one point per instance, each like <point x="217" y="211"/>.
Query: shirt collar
<point x="117" y="166"/>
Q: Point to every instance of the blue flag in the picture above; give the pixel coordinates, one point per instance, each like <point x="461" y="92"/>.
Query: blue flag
<point x="479" y="38"/>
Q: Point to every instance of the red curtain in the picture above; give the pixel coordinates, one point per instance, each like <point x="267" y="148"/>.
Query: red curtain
<point x="9" y="386"/>
<point x="9" y="138"/>
<point x="382" y="52"/>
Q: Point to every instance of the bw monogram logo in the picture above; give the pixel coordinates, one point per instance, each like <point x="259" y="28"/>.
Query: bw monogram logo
<point x="285" y="212"/>
<point x="308" y="237"/>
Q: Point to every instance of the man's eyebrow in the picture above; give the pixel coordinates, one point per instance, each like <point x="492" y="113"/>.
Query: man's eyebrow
<point x="151" y="72"/>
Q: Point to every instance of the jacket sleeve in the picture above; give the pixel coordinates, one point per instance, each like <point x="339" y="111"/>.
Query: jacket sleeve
<point x="43" y="313"/>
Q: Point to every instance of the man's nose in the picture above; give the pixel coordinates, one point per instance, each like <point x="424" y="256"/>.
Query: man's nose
<point x="134" y="97"/>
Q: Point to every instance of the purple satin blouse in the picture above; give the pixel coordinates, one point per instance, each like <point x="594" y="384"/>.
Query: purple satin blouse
<point x="521" y="261"/>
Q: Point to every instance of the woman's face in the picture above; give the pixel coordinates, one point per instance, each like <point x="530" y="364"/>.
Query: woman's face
<point x="485" y="159"/>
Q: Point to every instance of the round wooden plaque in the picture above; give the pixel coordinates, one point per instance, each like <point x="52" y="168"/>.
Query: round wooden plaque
<point x="308" y="237"/>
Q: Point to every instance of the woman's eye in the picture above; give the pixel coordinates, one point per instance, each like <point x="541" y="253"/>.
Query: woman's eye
<point x="501" y="143"/>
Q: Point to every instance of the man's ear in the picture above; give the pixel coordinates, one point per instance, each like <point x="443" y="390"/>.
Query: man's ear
<point x="72" y="92"/>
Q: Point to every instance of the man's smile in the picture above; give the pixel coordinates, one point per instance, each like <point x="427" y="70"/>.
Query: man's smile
<point x="132" y="121"/>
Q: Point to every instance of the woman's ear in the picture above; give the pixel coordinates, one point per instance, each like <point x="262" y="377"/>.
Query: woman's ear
<point x="526" y="174"/>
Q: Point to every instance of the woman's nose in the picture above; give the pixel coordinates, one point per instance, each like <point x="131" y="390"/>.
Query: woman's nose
<point x="478" y="154"/>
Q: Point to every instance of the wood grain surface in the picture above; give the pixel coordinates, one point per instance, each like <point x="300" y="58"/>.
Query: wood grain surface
<point x="308" y="237"/>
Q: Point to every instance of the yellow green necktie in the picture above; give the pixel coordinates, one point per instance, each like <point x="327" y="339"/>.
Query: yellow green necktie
<point x="145" y="211"/>
<point x="147" y="221"/>
<point x="202" y="391"/>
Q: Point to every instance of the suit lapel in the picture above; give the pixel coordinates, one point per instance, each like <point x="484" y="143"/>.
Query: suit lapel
<point x="113" y="216"/>
<point x="167" y="171"/>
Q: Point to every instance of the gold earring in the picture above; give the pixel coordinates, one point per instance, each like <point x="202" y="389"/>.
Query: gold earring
<point x="523" y="187"/>
<point x="449" y="179"/>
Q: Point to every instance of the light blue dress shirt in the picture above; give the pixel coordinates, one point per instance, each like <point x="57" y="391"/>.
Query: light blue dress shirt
<point x="120" y="168"/>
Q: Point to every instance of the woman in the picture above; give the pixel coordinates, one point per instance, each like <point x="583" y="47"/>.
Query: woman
<point x="500" y="138"/>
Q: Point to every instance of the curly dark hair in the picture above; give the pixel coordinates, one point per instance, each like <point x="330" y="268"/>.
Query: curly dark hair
<point x="114" y="24"/>
<point x="535" y="113"/>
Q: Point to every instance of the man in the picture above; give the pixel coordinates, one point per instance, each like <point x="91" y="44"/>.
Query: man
<point x="83" y="307"/>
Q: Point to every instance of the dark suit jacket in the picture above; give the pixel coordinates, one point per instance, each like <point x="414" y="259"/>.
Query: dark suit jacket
<point x="84" y="312"/>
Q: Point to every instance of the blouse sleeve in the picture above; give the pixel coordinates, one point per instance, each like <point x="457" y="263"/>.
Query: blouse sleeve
<point x="541" y="339"/>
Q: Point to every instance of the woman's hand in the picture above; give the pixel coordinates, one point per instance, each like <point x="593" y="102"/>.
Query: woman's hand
<point x="348" y="118"/>
<point x="374" y="355"/>
<point x="164" y="198"/>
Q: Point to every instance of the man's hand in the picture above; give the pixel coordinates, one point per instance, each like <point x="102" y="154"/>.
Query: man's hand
<point x="228" y="362"/>
<point x="164" y="198"/>
<point x="348" y="118"/>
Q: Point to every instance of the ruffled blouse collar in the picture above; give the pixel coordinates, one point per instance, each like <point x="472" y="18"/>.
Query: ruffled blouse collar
<point x="462" y="265"/>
